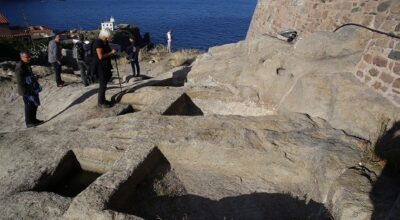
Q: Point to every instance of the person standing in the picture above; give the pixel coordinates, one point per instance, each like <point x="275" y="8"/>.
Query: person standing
<point x="133" y="55"/>
<point x="54" y="58"/>
<point x="101" y="65"/>
<point x="28" y="88"/>
<point x="88" y="49"/>
<point x="169" y="41"/>
<point x="79" y="55"/>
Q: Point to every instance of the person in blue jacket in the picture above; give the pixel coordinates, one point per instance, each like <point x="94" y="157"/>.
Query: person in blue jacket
<point x="28" y="88"/>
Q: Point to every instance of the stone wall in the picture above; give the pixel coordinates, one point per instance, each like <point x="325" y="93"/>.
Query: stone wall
<point x="380" y="65"/>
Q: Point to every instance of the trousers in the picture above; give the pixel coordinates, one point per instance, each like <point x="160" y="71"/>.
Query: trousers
<point x="57" y="72"/>
<point x="84" y="72"/>
<point x="104" y="77"/>
<point x="30" y="111"/>
<point x="135" y="67"/>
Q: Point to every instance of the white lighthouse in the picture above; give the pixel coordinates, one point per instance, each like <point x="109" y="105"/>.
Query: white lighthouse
<point x="108" y="25"/>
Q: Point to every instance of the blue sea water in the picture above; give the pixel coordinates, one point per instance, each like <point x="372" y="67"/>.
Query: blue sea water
<point x="196" y="23"/>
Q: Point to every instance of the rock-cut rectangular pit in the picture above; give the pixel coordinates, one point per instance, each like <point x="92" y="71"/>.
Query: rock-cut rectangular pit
<point x="157" y="189"/>
<point x="76" y="171"/>
<point x="183" y="106"/>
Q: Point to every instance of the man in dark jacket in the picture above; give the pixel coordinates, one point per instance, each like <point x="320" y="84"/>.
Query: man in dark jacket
<point x="79" y="55"/>
<point x="28" y="88"/>
<point x="133" y="55"/>
<point x="54" y="58"/>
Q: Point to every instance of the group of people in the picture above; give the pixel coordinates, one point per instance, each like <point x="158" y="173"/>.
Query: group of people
<point x="93" y="59"/>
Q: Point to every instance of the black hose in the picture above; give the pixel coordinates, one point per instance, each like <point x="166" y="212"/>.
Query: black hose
<point x="370" y="29"/>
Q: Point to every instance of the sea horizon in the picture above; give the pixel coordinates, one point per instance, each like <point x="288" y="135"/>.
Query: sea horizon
<point x="196" y="24"/>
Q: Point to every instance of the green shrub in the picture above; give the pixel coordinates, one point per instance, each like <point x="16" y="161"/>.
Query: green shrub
<point x="91" y="35"/>
<point x="39" y="54"/>
<point x="10" y="48"/>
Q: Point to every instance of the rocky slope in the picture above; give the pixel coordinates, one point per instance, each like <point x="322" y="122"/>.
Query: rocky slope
<point x="260" y="129"/>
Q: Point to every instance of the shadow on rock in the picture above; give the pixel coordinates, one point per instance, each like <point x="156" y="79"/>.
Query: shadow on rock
<point x="178" y="79"/>
<point x="385" y="194"/>
<point x="251" y="206"/>
<point x="141" y="77"/>
<point x="79" y="100"/>
<point x="155" y="191"/>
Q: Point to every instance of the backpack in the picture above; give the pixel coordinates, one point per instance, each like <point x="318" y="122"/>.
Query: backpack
<point x="132" y="52"/>
<point x="78" y="51"/>
<point x="88" y="51"/>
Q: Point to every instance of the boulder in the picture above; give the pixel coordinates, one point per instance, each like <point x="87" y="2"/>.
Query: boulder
<point x="312" y="76"/>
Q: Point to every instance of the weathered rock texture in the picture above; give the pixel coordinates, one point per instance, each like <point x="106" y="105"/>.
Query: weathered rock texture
<point x="380" y="65"/>
<point x="261" y="129"/>
<point x="226" y="166"/>
<point x="268" y="76"/>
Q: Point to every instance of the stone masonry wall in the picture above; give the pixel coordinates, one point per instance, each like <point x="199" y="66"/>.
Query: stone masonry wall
<point x="380" y="66"/>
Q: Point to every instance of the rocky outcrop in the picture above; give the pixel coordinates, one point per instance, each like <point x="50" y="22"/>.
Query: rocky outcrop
<point x="218" y="160"/>
<point x="261" y="129"/>
<point x="312" y="76"/>
<point x="379" y="67"/>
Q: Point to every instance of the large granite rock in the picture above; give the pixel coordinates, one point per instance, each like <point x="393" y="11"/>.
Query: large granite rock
<point x="289" y="160"/>
<point x="263" y="130"/>
<point x="312" y="76"/>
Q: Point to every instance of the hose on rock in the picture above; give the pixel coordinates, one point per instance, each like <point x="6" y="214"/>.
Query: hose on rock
<point x="368" y="28"/>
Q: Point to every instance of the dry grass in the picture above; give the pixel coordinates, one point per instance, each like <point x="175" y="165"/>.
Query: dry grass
<point x="183" y="57"/>
<point x="121" y="61"/>
<point x="179" y="58"/>
<point x="155" y="54"/>
<point x="369" y="150"/>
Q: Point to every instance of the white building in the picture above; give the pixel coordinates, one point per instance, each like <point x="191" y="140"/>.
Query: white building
<point x="108" y="24"/>
<point x="39" y="32"/>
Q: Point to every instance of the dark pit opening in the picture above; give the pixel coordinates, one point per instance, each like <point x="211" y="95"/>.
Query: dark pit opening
<point x="170" y="82"/>
<point x="184" y="106"/>
<point x="128" y="110"/>
<point x="68" y="179"/>
<point x="154" y="191"/>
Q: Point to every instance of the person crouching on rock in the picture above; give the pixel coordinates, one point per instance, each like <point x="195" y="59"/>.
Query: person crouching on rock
<point x="28" y="88"/>
<point x="102" y="65"/>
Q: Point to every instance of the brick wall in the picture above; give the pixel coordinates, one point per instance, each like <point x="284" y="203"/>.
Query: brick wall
<point x="380" y="65"/>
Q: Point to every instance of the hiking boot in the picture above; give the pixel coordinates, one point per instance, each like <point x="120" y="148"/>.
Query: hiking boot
<point x="61" y="84"/>
<point x="34" y="124"/>
<point x="39" y="122"/>
<point x="105" y="105"/>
